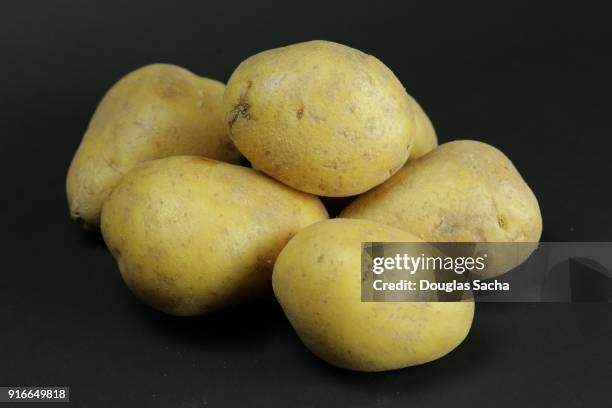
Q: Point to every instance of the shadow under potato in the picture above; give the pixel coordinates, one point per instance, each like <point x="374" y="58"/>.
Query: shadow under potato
<point x="88" y="236"/>
<point x="335" y="205"/>
<point x="246" y="324"/>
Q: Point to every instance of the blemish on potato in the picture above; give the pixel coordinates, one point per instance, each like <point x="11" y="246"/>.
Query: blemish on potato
<point x="116" y="252"/>
<point x="241" y="109"/>
<point x="501" y="221"/>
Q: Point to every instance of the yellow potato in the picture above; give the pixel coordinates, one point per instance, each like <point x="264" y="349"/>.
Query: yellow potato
<point x="156" y="111"/>
<point x="425" y="139"/>
<point x="320" y="117"/>
<point x="191" y="235"/>
<point x="463" y="191"/>
<point x="317" y="281"/>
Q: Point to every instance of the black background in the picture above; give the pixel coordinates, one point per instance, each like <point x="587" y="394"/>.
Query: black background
<point x="531" y="78"/>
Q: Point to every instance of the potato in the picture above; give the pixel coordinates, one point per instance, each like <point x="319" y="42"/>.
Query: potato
<point x="192" y="235"/>
<point x="317" y="281"/>
<point x="463" y="191"/>
<point x="156" y="111"/>
<point x="425" y="139"/>
<point x="320" y="117"/>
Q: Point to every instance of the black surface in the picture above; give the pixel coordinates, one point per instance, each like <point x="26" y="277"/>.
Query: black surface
<point x="531" y="78"/>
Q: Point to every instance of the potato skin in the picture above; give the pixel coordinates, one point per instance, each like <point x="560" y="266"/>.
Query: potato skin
<point x="317" y="282"/>
<point x="425" y="138"/>
<point x="155" y="111"/>
<point x="192" y="235"/>
<point x="320" y="117"/>
<point x="463" y="191"/>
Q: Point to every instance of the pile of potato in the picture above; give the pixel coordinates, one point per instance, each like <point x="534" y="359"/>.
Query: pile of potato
<point x="193" y="232"/>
